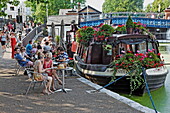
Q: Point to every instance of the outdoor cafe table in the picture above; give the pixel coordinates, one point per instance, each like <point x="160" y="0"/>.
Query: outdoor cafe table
<point x="63" y="89"/>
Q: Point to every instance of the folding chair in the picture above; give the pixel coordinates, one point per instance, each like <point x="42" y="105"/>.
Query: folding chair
<point x="33" y="81"/>
<point x="19" y="67"/>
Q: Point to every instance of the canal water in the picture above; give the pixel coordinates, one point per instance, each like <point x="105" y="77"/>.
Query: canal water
<point x="161" y="97"/>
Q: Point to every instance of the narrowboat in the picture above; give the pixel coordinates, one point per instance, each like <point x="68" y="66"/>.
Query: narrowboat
<point x="95" y="61"/>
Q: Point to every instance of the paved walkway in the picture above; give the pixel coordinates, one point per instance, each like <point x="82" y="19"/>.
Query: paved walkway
<point x="13" y="100"/>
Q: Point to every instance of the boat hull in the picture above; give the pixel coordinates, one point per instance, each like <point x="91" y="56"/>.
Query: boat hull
<point x="103" y="77"/>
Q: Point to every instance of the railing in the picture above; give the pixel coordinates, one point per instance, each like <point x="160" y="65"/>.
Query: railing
<point x="32" y="34"/>
<point x="119" y="18"/>
<point x="149" y="22"/>
<point x="120" y="14"/>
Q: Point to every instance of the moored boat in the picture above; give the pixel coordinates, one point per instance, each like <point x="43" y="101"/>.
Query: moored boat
<point x="96" y="62"/>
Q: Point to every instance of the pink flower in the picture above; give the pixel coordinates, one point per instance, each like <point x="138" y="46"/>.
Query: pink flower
<point x="96" y="29"/>
<point x="149" y="50"/>
<point x="123" y="51"/>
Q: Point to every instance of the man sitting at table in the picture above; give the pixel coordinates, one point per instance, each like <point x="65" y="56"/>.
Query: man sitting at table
<point x="62" y="55"/>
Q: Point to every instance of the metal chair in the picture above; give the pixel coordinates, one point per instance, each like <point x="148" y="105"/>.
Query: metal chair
<point x="33" y="81"/>
<point x="19" y="67"/>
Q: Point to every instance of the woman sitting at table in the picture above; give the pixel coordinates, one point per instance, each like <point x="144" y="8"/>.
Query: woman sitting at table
<point x="48" y="63"/>
<point x="40" y="75"/>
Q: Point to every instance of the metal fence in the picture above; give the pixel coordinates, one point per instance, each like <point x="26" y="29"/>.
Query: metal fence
<point x="150" y="19"/>
<point x="32" y="34"/>
<point x="149" y="22"/>
<point x="121" y="14"/>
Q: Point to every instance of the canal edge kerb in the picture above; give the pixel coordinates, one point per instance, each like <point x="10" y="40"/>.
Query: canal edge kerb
<point x="118" y="97"/>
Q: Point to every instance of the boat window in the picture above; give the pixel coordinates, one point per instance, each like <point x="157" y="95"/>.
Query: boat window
<point x="142" y="47"/>
<point x="150" y="46"/>
<point x="134" y="48"/>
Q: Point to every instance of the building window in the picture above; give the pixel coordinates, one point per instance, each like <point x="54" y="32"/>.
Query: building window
<point x="9" y="16"/>
<point x="11" y="8"/>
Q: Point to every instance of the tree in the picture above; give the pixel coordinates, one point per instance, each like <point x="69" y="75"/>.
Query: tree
<point x="122" y="6"/>
<point x="40" y="13"/>
<point x="158" y="6"/>
<point x="53" y="7"/>
<point x="3" y="4"/>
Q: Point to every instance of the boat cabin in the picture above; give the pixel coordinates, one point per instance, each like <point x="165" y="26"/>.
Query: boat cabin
<point x="119" y="44"/>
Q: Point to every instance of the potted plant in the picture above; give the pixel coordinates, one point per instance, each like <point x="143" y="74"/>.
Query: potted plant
<point x="84" y="35"/>
<point x="129" y="25"/>
<point x="104" y="32"/>
<point x="120" y="29"/>
<point x="135" y="62"/>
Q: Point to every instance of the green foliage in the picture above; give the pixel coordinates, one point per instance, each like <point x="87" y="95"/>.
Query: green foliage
<point x="129" y="23"/>
<point x="135" y="62"/>
<point x="84" y="35"/>
<point x="3" y="4"/>
<point x="158" y="6"/>
<point x="122" y="6"/>
<point x="57" y="39"/>
<point x="53" y="7"/>
<point x="105" y="30"/>
<point x="121" y="28"/>
<point x="107" y="47"/>
<point x="40" y="13"/>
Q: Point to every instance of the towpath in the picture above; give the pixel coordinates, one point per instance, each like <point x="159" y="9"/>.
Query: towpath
<point x="13" y="100"/>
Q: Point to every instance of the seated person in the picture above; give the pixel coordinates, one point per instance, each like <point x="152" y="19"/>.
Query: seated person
<point x="23" y="53"/>
<point x="62" y="55"/>
<point x="47" y="47"/>
<point x="48" y="63"/>
<point x="29" y="48"/>
<point x="34" y="49"/>
<point x="40" y="76"/>
<point x="22" y="61"/>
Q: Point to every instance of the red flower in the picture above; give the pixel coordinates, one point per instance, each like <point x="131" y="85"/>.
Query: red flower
<point x="129" y="51"/>
<point x="84" y="27"/>
<point x="117" y="64"/>
<point x="141" y="54"/>
<point x="159" y="54"/>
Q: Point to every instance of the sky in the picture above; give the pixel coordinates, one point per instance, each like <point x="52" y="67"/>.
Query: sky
<point x="98" y="3"/>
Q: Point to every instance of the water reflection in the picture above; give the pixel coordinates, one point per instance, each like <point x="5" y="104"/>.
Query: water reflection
<point x="161" y="96"/>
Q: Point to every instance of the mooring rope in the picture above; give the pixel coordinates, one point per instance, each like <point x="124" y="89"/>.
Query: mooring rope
<point x="113" y="81"/>
<point x="147" y="88"/>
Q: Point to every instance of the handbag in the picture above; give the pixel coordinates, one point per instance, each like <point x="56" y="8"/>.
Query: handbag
<point x="38" y="77"/>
